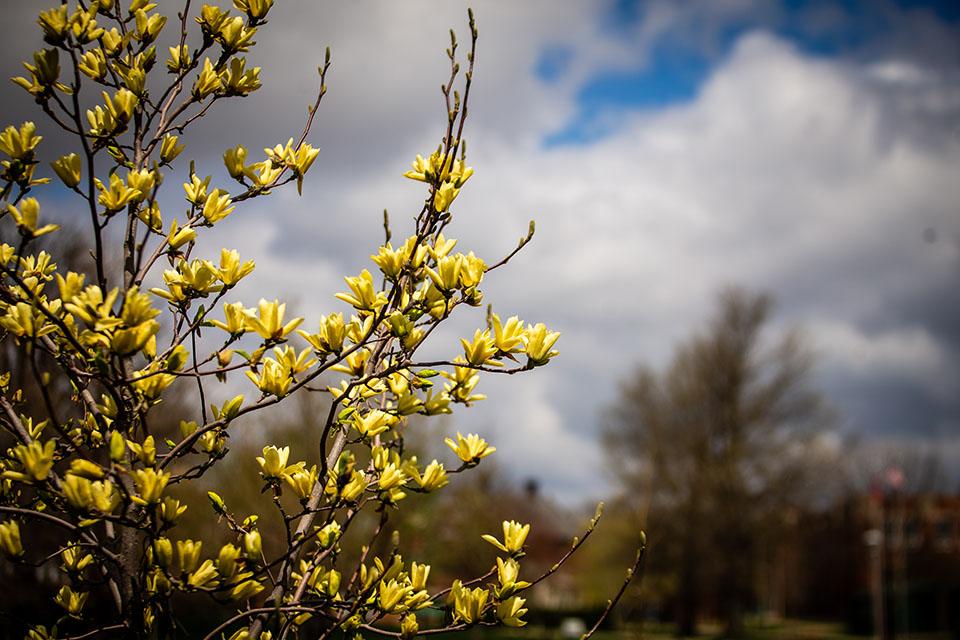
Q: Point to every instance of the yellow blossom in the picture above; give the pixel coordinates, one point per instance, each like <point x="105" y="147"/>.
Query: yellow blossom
<point x="470" y="449"/>
<point x="330" y="337"/>
<point x="539" y="342"/>
<point x="68" y="169"/>
<point x="373" y="423"/>
<point x="217" y="206"/>
<point x="274" y="378"/>
<point x="71" y="601"/>
<point x="150" y="485"/>
<point x="19" y="143"/>
<point x="514" y="536"/>
<point x="170" y="149"/>
<point x="231" y="269"/>
<point x="10" y="544"/>
<point x="481" y="349"/>
<point x="269" y="323"/>
<point x="273" y="462"/>
<point x="26" y="218"/>
<point x="510" y="610"/>
<point x="364" y="296"/>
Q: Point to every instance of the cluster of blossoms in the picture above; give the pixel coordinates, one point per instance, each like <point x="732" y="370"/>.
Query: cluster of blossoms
<point x="103" y="477"/>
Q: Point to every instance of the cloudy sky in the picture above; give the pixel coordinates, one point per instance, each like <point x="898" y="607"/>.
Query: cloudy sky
<point x="666" y="149"/>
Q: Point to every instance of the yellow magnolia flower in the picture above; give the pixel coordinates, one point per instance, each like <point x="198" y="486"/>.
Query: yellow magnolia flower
<point x="302" y="480"/>
<point x="444" y="196"/>
<point x="207" y="82"/>
<point x="471" y="270"/>
<point x="141" y="181"/>
<point x="148" y="27"/>
<point x="211" y="19"/>
<point x="68" y="169"/>
<point x="231" y="269"/>
<point x="179" y="58"/>
<point x="150" y="484"/>
<point x="439" y="166"/>
<point x="255" y="9"/>
<point x="26" y="218"/>
<point x="245" y="590"/>
<point x="237" y="80"/>
<point x="170" y="510"/>
<point x="468" y="604"/>
<point x="112" y="118"/>
<point x="170" y="149"/>
<point x="112" y="41"/>
<point x="481" y="350"/>
<point x="434" y="477"/>
<point x="510" y="610"/>
<point x="227" y="560"/>
<point x="331" y="335"/>
<point x="71" y="601"/>
<point x="446" y="277"/>
<point x="86" y="469"/>
<point x="391" y="477"/>
<point x="93" y="64"/>
<point x="234" y="159"/>
<point x="117" y="195"/>
<point x="77" y="491"/>
<point x="463" y="381"/>
<point x="470" y="449"/>
<point x="196" y="190"/>
<point x="294" y="362"/>
<point x="364" y="296"/>
<point x="55" y="23"/>
<point x="10" y="544"/>
<point x="269" y="323"/>
<point x="273" y="462"/>
<point x="163" y="552"/>
<point x="237" y="319"/>
<point x="20" y="143"/>
<point x="189" y="553"/>
<point x="204" y="576"/>
<point x="354" y="488"/>
<point x="328" y="535"/>
<point x="539" y="342"/>
<point x="274" y="378"/>
<point x="252" y="543"/>
<point x="265" y="173"/>
<point x="409" y="626"/>
<point x="390" y="596"/>
<point x="180" y="236"/>
<point x="217" y="206"/>
<point x="437" y="403"/>
<point x="514" y="536"/>
<point x="23" y="319"/>
<point x="74" y="559"/>
<point x="36" y="460"/>
<point x="508" y="571"/>
<point x="235" y="36"/>
<point x="509" y="337"/>
<point x="373" y="423"/>
<point x="391" y="261"/>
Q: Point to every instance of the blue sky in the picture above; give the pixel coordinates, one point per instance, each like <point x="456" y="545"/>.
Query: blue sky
<point x="680" y="59"/>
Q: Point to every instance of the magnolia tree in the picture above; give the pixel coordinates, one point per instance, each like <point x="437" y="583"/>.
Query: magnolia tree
<point x="101" y="480"/>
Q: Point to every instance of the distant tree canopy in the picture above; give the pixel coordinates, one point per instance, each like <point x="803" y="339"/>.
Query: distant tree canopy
<point x="710" y="450"/>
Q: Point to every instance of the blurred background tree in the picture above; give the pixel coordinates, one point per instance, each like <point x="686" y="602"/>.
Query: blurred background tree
<point x="711" y="451"/>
